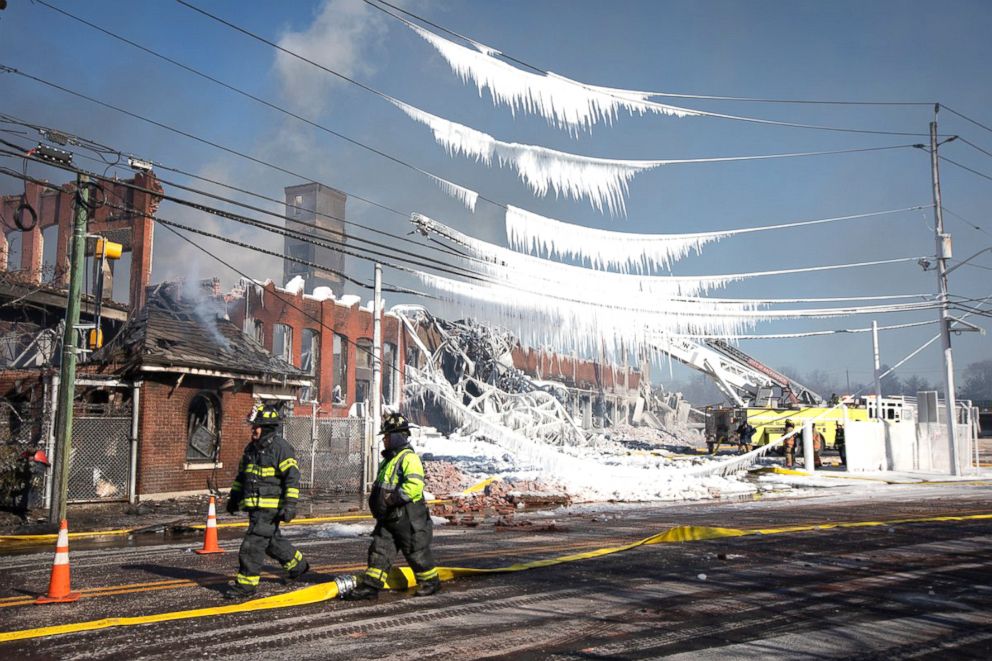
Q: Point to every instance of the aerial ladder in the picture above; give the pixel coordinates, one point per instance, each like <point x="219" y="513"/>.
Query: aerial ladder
<point x="745" y="380"/>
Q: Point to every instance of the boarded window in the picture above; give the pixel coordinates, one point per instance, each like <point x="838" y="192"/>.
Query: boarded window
<point x="203" y="428"/>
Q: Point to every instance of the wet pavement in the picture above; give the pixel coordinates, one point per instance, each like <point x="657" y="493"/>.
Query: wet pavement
<point x="893" y="591"/>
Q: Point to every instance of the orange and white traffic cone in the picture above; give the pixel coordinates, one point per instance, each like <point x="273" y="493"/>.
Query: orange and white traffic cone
<point x="210" y="534"/>
<point x="58" y="586"/>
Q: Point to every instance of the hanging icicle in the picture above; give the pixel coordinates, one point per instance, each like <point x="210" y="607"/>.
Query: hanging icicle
<point x="531" y="233"/>
<point x="504" y="264"/>
<point x="565" y="103"/>
<point x="464" y="195"/>
<point x="624" y="251"/>
<point x="600" y="180"/>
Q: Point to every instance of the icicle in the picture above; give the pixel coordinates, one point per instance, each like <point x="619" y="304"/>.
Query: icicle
<point x="464" y="195"/>
<point x="602" y="249"/>
<point x="565" y="103"/>
<point x="600" y="180"/>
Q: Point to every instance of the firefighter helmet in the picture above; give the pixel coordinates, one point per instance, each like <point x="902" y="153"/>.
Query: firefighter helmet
<point x="264" y="415"/>
<point x="394" y="422"/>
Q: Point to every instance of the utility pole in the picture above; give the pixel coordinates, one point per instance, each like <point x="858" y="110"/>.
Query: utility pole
<point x="67" y="375"/>
<point x="943" y="243"/>
<point x="877" y="371"/>
<point x="376" y="362"/>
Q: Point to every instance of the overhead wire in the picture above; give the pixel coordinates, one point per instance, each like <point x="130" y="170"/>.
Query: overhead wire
<point x="312" y="227"/>
<point x="965" y="117"/>
<point x="469" y="258"/>
<point x="253" y="97"/>
<point x="756" y="314"/>
<point x="965" y="167"/>
<point x="369" y="255"/>
<point x="705" y="97"/>
<point x="608" y="93"/>
<point x="966" y="221"/>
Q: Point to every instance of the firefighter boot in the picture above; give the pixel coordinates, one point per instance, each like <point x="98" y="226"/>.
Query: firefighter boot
<point x="299" y="570"/>
<point x="363" y="591"/>
<point x="428" y="587"/>
<point x="238" y="591"/>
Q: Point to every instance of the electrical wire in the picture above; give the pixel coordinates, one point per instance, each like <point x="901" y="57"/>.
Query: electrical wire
<point x="966" y="221"/>
<point x="786" y="336"/>
<point x="257" y="99"/>
<point x="369" y="255"/>
<point x="704" y="97"/>
<point x="966" y="118"/>
<point x="601" y="91"/>
<point x="974" y="146"/>
<point x="311" y="227"/>
<point x="965" y="167"/>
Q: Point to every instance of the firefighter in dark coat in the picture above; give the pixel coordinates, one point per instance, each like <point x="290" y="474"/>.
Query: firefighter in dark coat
<point x="267" y="487"/>
<point x="402" y="520"/>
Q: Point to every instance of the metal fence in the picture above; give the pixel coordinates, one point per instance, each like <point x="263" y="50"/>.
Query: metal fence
<point x="330" y="452"/>
<point x="100" y="460"/>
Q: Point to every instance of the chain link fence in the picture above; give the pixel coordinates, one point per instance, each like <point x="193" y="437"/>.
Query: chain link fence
<point x="100" y="459"/>
<point x="330" y="452"/>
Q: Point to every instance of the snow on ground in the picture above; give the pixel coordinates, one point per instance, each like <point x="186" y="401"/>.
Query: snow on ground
<point x="605" y="470"/>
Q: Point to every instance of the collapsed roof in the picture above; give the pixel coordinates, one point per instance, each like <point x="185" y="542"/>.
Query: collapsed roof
<point x="184" y="328"/>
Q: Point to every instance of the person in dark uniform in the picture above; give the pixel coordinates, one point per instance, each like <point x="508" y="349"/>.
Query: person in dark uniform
<point x="840" y="442"/>
<point x="267" y="487"/>
<point x="745" y="435"/>
<point x="30" y="468"/>
<point x="403" y="521"/>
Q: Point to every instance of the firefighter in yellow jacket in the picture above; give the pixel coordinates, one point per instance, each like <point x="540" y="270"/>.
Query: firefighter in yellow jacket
<point x="267" y="487"/>
<point x="402" y="520"/>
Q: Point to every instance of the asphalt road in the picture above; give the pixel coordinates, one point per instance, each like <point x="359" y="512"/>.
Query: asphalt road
<point x="905" y="590"/>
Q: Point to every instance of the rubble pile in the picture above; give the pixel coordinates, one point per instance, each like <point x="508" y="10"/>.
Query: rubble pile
<point x="444" y="479"/>
<point x="500" y="498"/>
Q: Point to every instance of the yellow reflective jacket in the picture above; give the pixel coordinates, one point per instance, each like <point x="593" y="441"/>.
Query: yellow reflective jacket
<point x="268" y="476"/>
<point x="400" y="480"/>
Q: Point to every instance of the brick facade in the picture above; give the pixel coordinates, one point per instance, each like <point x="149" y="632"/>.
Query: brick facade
<point x="162" y="424"/>
<point x="325" y="317"/>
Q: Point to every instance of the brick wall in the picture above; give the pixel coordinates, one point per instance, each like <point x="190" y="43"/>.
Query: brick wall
<point x="582" y="374"/>
<point x="162" y="434"/>
<point x="327" y="318"/>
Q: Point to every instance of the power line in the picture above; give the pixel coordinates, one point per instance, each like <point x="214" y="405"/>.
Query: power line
<point x="610" y="93"/>
<point x="973" y="145"/>
<point x="426" y="262"/>
<point x="966" y="221"/>
<point x="965" y="167"/>
<point x="257" y="99"/>
<point x="402" y="238"/>
<point x="965" y="117"/>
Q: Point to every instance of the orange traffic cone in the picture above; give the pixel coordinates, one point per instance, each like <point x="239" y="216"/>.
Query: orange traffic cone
<point x="210" y="534"/>
<point x="58" y="587"/>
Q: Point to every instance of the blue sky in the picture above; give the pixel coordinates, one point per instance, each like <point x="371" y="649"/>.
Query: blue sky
<point x="898" y="51"/>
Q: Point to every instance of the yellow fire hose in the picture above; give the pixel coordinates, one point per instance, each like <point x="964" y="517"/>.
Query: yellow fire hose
<point x="402" y="577"/>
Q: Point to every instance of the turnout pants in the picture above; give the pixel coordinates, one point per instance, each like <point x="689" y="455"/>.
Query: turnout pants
<point x="264" y="539"/>
<point x="409" y="530"/>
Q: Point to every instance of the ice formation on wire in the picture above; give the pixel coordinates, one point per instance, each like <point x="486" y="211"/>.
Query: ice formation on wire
<point x="602" y="181"/>
<point x="602" y="249"/>
<point x="565" y="103"/>
<point x="624" y="251"/>
<point x="464" y="195"/>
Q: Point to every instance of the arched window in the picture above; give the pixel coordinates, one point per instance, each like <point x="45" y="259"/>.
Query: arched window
<point x="203" y="428"/>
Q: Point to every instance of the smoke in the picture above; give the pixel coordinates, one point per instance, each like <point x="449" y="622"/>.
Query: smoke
<point x="336" y="39"/>
<point x="200" y="297"/>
